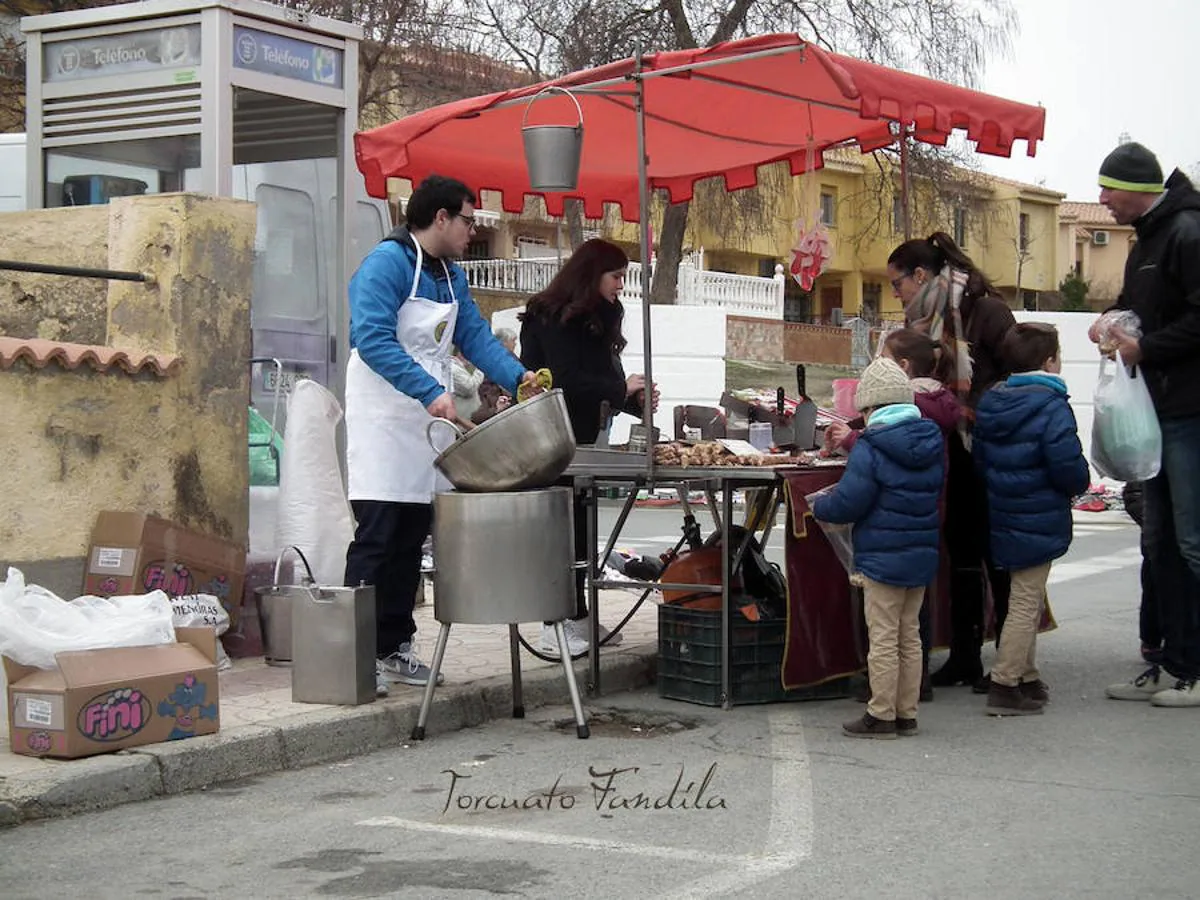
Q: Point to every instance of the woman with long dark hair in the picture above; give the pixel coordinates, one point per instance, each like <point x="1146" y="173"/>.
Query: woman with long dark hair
<point x="946" y="296"/>
<point x="573" y="328"/>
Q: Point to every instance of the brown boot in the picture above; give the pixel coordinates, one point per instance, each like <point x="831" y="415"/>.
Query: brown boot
<point x="1036" y="690"/>
<point x="1010" y="701"/>
<point x="870" y="727"/>
<point x="906" y="727"/>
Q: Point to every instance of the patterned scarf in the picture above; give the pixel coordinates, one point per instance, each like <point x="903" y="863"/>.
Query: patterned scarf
<point x="936" y="310"/>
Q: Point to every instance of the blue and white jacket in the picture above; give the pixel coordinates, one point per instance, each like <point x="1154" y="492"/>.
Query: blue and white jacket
<point x="382" y="283"/>
<point x="890" y="493"/>
<point x="1026" y="445"/>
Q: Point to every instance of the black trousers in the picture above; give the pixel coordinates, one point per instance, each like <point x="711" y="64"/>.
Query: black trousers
<point x="386" y="552"/>
<point x="1148" y="625"/>
<point x="971" y="568"/>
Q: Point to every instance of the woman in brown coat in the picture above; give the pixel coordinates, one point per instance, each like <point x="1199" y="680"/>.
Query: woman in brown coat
<point x="946" y="296"/>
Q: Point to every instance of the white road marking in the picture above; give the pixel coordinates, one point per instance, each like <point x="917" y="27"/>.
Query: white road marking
<point x="789" y="838"/>
<point x="579" y="842"/>
<point x="1094" y="565"/>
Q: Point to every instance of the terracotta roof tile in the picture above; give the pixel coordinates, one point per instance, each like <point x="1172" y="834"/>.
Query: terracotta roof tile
<point x="40" y="353"/>
<point x="1087" y="213"/>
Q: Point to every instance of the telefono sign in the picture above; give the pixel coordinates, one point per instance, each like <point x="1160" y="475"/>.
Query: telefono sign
<point x="273" y="54"/>
<point x="149" y="50"/>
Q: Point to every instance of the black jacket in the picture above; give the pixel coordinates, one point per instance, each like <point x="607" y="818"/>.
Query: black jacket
<point x="583" y="365"/>
<point x="1162" y="285"/>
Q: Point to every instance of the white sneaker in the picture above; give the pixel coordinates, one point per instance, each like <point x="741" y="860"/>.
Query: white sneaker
<point x="1143" y="687"/>
<point x="577" y="642"/>
<point x="1185" y="693"/>
<point x="403" y="667"/>
<point x="585" y="629"/>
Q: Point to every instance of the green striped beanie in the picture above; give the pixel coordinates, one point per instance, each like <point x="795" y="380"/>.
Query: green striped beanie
<point x="1131" y="167"/>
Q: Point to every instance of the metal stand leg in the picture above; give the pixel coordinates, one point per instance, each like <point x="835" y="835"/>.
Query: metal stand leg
<point x="418" y="732"/>
<point x="581" y="726"/>
<point x="593" y="594"/>
<point x="726" y="623"/>
<point x="514" y="649"/>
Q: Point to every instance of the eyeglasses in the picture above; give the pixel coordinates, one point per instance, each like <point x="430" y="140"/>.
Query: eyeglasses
<point x="470" y="220"/>
<point x="896" y="282"/>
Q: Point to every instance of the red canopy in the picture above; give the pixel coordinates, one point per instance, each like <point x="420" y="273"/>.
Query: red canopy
<point x="722" y="110"/>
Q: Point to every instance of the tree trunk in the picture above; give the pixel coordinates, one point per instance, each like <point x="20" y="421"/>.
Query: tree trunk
<point x="670" y="254"/>
<point x="573" y="213"/>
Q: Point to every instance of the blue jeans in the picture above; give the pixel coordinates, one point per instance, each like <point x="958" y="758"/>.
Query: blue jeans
<point x="1171" y="538"/>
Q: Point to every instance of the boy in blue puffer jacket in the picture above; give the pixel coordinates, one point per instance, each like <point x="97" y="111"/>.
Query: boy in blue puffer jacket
<point x="890" y="493"/>
<point x="1027" y="446"/>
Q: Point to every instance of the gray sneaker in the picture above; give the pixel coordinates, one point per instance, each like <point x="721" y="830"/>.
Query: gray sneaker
<point x="382" y="685"/>
<point x="403" y="667"/>
<point x="1142" y="688"/>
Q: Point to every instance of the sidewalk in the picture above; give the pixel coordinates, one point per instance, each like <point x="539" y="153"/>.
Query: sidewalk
<point x="263" y="731"/>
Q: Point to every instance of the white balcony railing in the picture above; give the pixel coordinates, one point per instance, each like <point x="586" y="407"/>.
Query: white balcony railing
<point x="739" y="295"/>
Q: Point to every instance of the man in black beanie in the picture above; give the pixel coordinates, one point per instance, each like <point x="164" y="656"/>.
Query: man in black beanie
<point x="1162" y="285"/>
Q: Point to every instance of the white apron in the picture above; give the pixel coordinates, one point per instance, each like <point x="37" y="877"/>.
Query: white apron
<point x="387" y="455"/>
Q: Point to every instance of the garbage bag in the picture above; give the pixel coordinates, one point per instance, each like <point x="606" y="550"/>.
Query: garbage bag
<point x="313" y="512"/>
<point x="1126" y="438"/>
<point x="266" y="448"/>
<point x="36" y="624"/>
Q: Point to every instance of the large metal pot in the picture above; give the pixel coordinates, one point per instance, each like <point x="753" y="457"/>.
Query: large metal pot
<point x="503" y="558"/>
<point x="528" y="445"/>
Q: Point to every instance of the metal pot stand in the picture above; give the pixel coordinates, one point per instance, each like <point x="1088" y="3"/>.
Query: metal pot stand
<point x="514" y="639"/>
<point x="523" y="540"/>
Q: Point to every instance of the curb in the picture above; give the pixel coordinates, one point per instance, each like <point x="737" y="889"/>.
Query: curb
<point x="324" y="735"/>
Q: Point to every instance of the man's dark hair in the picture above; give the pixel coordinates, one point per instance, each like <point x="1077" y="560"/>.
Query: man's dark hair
<point x="1028" y="345"/>
<point x="436" y="192"/>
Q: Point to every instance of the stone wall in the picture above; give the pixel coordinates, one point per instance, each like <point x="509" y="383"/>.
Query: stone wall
<point x="78" y="441"/>
<point x="820" y="344"/>
<point x="767" y="340"/>
<point x="757" y="340"/>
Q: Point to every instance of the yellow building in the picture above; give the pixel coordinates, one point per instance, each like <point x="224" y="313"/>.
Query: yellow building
<point x="1009" y="229"/>
<point x="1093" y="246"/>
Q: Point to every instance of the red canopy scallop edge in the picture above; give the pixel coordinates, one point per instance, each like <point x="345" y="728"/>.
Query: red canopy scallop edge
<point x="723" y="110"/>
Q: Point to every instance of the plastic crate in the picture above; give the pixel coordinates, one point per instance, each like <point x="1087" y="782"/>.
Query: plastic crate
<point x="689" y="660"/>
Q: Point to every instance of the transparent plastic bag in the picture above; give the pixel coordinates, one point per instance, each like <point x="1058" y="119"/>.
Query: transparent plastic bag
<point x="36" y="624"/>
<point x="840" y="537"/>
<point x="1122" y="319"/>
<point x="1126" y="438"/>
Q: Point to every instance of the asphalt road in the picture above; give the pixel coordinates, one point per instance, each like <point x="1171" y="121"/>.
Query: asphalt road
<point x="1094" y="799"/>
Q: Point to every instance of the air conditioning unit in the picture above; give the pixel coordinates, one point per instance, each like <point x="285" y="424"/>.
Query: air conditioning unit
<point x="1100" y="238"/>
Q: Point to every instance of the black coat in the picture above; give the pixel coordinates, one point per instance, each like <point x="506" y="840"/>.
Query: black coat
<point x="583" y="364"/>
<point x="1162" y="285"/>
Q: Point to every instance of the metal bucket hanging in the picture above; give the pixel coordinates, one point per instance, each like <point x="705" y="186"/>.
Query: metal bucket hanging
<point x="552" y="152"/>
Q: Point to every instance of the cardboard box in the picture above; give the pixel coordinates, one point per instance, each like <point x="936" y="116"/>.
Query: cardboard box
<point x="99" y="701"/>
<point x="132" y="553"/>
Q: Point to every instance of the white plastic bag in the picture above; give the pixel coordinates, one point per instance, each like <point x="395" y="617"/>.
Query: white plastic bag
<point x="36" y="624"/>
<point x="313" y="512"/>
<point x="840" y="537"/>
<point x="1126" y="438"/>
<point x="197" y="610"/>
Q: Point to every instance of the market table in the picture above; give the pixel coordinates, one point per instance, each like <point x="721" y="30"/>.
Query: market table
<point x="822" y="642"/>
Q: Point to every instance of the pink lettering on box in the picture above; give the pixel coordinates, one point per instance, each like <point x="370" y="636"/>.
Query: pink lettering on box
<point x="114" y="715"/>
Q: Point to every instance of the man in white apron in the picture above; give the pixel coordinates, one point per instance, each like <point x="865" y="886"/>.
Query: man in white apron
<point x="408" y="305"/>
